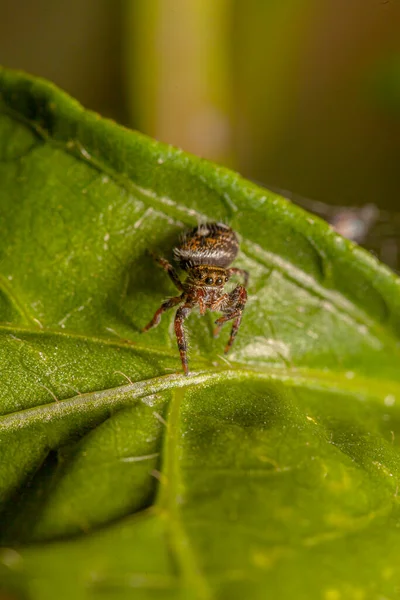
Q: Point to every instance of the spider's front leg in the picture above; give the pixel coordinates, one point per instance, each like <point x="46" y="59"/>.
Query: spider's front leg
<point x="233" y="309"/>
<point x="170" y="303"/>
<point x="173" y="275"/>
<point x="180" y="316"/>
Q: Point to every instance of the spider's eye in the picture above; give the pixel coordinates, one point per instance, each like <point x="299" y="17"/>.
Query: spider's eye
<point x="219" y="281"/>
<point x="226" y="278"/>
<point x="209" y="280"/>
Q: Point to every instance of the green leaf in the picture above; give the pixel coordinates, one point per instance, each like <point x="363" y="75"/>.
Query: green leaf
<point x="272" y="472"/>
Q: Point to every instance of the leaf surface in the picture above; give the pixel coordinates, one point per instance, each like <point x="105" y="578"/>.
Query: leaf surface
<point x="272" y="471"/>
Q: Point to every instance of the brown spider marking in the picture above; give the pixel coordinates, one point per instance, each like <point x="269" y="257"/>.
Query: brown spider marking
<point x="205" y="253"/>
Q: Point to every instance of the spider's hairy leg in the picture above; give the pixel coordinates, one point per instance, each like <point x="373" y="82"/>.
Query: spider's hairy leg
<point x="234" y="330"/>
<point x="170" y="303"/>
<point x="180" y="316"/>
<point x="164" y="264"/>
<point x="233" y="311"/>
<point x="242" y="273"/>
<point x="219" y="305"/>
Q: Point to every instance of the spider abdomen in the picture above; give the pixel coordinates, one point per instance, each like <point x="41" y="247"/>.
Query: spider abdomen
<point x="208" y="244"/>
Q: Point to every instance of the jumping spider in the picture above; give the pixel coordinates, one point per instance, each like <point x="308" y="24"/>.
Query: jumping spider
<point x="205" y="253"/>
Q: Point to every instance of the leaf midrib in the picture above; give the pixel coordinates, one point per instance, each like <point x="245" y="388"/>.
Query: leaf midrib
<point x="167" y="503"/>
<point x="363" y="388"/>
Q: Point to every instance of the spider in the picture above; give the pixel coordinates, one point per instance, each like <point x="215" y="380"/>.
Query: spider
<point x="205" y="253"/>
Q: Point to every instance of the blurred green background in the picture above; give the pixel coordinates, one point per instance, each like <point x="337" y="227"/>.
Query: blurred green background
<point x="296" y="94"/>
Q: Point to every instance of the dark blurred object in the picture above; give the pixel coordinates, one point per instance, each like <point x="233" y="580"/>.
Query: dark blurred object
<point x="384" y="84"/>
<point x="77" y="45"/>
<point x="376" y="230"/>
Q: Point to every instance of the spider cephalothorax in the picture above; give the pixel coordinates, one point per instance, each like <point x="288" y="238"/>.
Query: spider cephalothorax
<point x="205" y="253"/>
